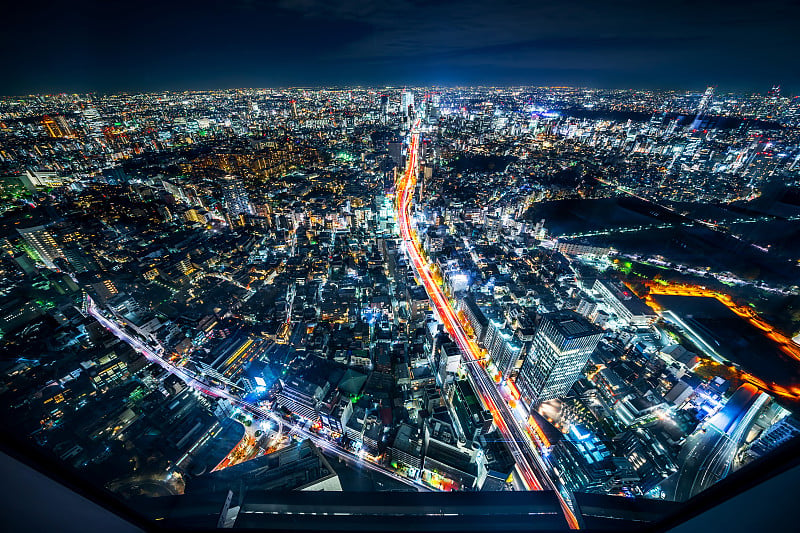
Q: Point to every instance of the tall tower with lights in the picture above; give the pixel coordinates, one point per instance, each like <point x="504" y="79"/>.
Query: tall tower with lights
<point x="562" y="344"/>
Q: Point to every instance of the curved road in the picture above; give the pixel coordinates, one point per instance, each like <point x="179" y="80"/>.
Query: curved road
<point x="258" y="412"/>
<point x="710" y="452"/>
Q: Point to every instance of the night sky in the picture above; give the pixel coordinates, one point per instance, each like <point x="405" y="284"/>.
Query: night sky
<point x="132" y="46"/>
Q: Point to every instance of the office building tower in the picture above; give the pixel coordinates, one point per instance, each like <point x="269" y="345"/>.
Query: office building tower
<point x="301" y="396"/>
<point x="772" y="104"/>
<point x="407" y="446"/>
<point x="396" y="153"/>
<point x="475" y="317"/>
<point x="43" y="245"/>
<point x="562" y="344"/>
<point x="656" y="121"/>
<point x="432" y="108"/>
<point x="235" y="196"/>
<point x="407" y="103"/>
<point x="384" y="105"/>
<point x="505" y="351"/>
<point x="587" y="306"/>
<point x="63" y="125"/>
<point x="493" y="227"/>
<point x="446" y="359"/>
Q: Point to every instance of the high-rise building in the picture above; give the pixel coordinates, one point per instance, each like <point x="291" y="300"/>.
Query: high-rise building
<point x="562" y="344"/>
<point x="236" y="200"/>
<point x="64" y="125"/>
<point x="475" y="317"/>
<point x="446" y="359"/>
<point x="431" y="105"/>
<point x="493" y="227"/>
<point x="43" y="244"/>
<point x="505" y="351"/>
<point x="384" y="105"/>
<point x="301" y="396"/>
<point x="407" y="103"/>
<point x="772" y="104"/>
<point x="396" y="153"/>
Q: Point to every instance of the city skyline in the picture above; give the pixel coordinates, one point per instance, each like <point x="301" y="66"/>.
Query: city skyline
<point x="538" y="297"/>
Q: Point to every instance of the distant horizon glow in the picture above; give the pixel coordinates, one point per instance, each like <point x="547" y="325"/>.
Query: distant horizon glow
<point x="198" y="46"/>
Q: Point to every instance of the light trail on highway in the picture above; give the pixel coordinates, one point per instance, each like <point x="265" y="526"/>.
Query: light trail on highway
<point x="531" y="466"/>
<point x="529" y="462"/>
<point x="710" y="452"/>
<point x="217" y="392"/>
<point x="719" y="464"/>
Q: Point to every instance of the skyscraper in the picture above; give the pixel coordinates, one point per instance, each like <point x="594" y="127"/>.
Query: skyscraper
<point x="430" y="107"/>
<point x="396" y="153"/>
<point x="562" y="344"/>
<point x="407" y="103"/>
<point x="384" y="105"/>
<point x="505" y="351"/>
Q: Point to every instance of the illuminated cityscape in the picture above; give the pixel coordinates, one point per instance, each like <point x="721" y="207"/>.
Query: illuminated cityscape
<point x="585" y="293"/>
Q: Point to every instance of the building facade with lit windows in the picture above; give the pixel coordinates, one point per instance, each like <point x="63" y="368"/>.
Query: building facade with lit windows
<point x="237" y="201"/>
<point x="627" y="306"/>
<point x="43" y="244"/>
<point x="505" y="351"/>
<point x="475" y="317"/>
<point x="562" y="344"/>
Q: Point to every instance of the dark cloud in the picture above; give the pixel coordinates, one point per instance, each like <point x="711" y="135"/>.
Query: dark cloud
<point x="206" y="44"/>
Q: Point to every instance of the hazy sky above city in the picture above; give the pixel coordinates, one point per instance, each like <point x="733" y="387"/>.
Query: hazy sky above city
<point x="113" y="46"/>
